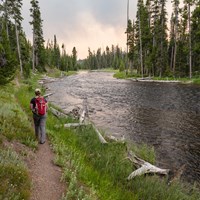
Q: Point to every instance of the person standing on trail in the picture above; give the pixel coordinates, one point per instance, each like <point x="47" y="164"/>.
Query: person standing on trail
<point x="39" y="106"/>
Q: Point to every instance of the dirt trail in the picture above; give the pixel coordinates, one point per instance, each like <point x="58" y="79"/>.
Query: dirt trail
<point x="45" y="175"/>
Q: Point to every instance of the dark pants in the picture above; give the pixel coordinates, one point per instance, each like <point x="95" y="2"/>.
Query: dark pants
<point x="40" y="131"/>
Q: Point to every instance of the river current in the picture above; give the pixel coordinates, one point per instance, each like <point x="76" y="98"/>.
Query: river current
<point x="163" y="115"/>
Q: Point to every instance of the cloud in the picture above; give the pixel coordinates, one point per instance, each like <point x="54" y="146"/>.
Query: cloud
<point x="83" y="23"/>
<point x="93" y="34"/>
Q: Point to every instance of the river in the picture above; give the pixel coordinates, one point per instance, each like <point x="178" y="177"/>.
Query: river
<point x="163" y="115"/>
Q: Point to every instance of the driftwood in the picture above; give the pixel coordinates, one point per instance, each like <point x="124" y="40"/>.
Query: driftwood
<point x="69" y="125"/>
<point x="47" y="95"/>
<point x="101" y="138"/>
<point x="84" y="113"/>
<point x="118" y="139"/>
<point x="57" y="113"/>
<point x="82" y="120"/>
<point x="82" y="117"/>
<point x="148" y="79"/>
<point x="144" y="167"/>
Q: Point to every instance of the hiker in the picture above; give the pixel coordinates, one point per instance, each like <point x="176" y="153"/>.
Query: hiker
<point x="39" y="107"/>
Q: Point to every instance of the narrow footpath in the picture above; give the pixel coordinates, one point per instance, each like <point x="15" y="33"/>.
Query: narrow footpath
<point x="46" y="184"/>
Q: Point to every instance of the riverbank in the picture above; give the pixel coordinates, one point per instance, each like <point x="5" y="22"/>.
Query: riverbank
<point x="90" y="169"/>
<point x="122" y="75"/>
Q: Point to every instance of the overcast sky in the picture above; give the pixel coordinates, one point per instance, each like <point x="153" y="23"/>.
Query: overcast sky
<point x="83" y="23"/>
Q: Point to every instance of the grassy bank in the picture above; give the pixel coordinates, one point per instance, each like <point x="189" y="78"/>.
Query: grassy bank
<point x="122" y="75"/>
<point x="102" y="170"/>
<point x="91" y="170"/>
<point x="16" y="138"/>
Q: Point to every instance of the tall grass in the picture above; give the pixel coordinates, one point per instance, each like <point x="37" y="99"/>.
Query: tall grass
<point x="14" y="123"/>
<point x="15" y="182"/>
<point x="123" y="75"/>
<point x="104" y="167"/>
<point x="15" y="126"/>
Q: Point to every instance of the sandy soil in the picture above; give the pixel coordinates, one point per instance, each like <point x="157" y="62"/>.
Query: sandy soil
<point x="46" y="184"/>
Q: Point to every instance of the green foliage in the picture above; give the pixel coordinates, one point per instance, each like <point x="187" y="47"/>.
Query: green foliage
<point x="121" y="67"/>
<point x="123" y="75"/>
<point x="14" y="122"/>
<point x="15" y="127"/>
<point x="7" y="60"/>
<point x="196" y="37"/>
<point x="106" y="59"/>
<point x="39" y="50"/>
<point x="102" y="170"/>
<point x="120" y="75"/>
<point x="15" y="181"/>
<point x="196" y="81"/>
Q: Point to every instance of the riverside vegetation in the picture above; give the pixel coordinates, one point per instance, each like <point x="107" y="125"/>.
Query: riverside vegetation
<point x="122" y="75"/>
<point x="91" y="170"/>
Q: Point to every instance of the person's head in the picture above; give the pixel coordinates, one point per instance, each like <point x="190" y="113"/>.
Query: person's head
<point x="37" y="91"/>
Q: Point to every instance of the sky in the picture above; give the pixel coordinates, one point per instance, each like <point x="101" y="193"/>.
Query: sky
<point x="83" y="23"/>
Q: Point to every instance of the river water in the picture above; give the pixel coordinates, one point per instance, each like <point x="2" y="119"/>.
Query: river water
<point x="164" y="115"/>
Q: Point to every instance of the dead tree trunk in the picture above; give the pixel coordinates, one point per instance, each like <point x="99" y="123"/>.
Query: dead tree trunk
<point x="144" y="167"/>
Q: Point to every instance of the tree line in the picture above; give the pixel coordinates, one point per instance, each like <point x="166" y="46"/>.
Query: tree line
<point x="161" y="48"/>
<point x="18" y="53"/>
<point x="156" y="46"/>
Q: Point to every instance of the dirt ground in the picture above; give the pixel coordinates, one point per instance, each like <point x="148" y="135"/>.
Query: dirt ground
<point x="46" y="184"/>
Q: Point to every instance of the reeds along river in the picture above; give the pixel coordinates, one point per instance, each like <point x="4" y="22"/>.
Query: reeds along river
<point x="165" y="115"/>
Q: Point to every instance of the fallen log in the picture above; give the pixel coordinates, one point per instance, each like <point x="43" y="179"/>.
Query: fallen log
<point x="82" y="117"/>
<point x="69" y="125"/>
<point x="144" y="167"/>
<point x="101" y="138"/>
<point x="47" y="95"/>
<point x="84" y="113"/>
<point x="57" y="113"/>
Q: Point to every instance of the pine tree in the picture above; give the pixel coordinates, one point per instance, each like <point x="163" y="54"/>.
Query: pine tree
<point x="155" y="35"/>
<point x="139" y="42"/>
<point x="98" y="55"/>
<point x="176" y="24"/>
<point x="189" y="3"/>
<point x="182" y="41"/>
<point x="56" y="57"/>
<point x="7" y="60"/>
<point x="130" y="31"/>
<point x="15" y="6"/>
<point x="74" y="58"/>
<point x="38" y="59"/>
<point x="195" y="30"/>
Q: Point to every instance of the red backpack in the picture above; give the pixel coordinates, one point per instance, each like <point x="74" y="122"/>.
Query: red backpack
<point x="40" y="105"/>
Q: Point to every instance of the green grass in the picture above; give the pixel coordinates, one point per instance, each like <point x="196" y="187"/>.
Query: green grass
<point x="195" y="80"/>
<point x="103" y="168"/>
<point x="107" y="70"/>
<point x="14" y="123"/>
<point x="90" y="169"/>
<point x="122" y="75"/>
<point x="15" y="127"/>
<point x="15" y="181"/>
